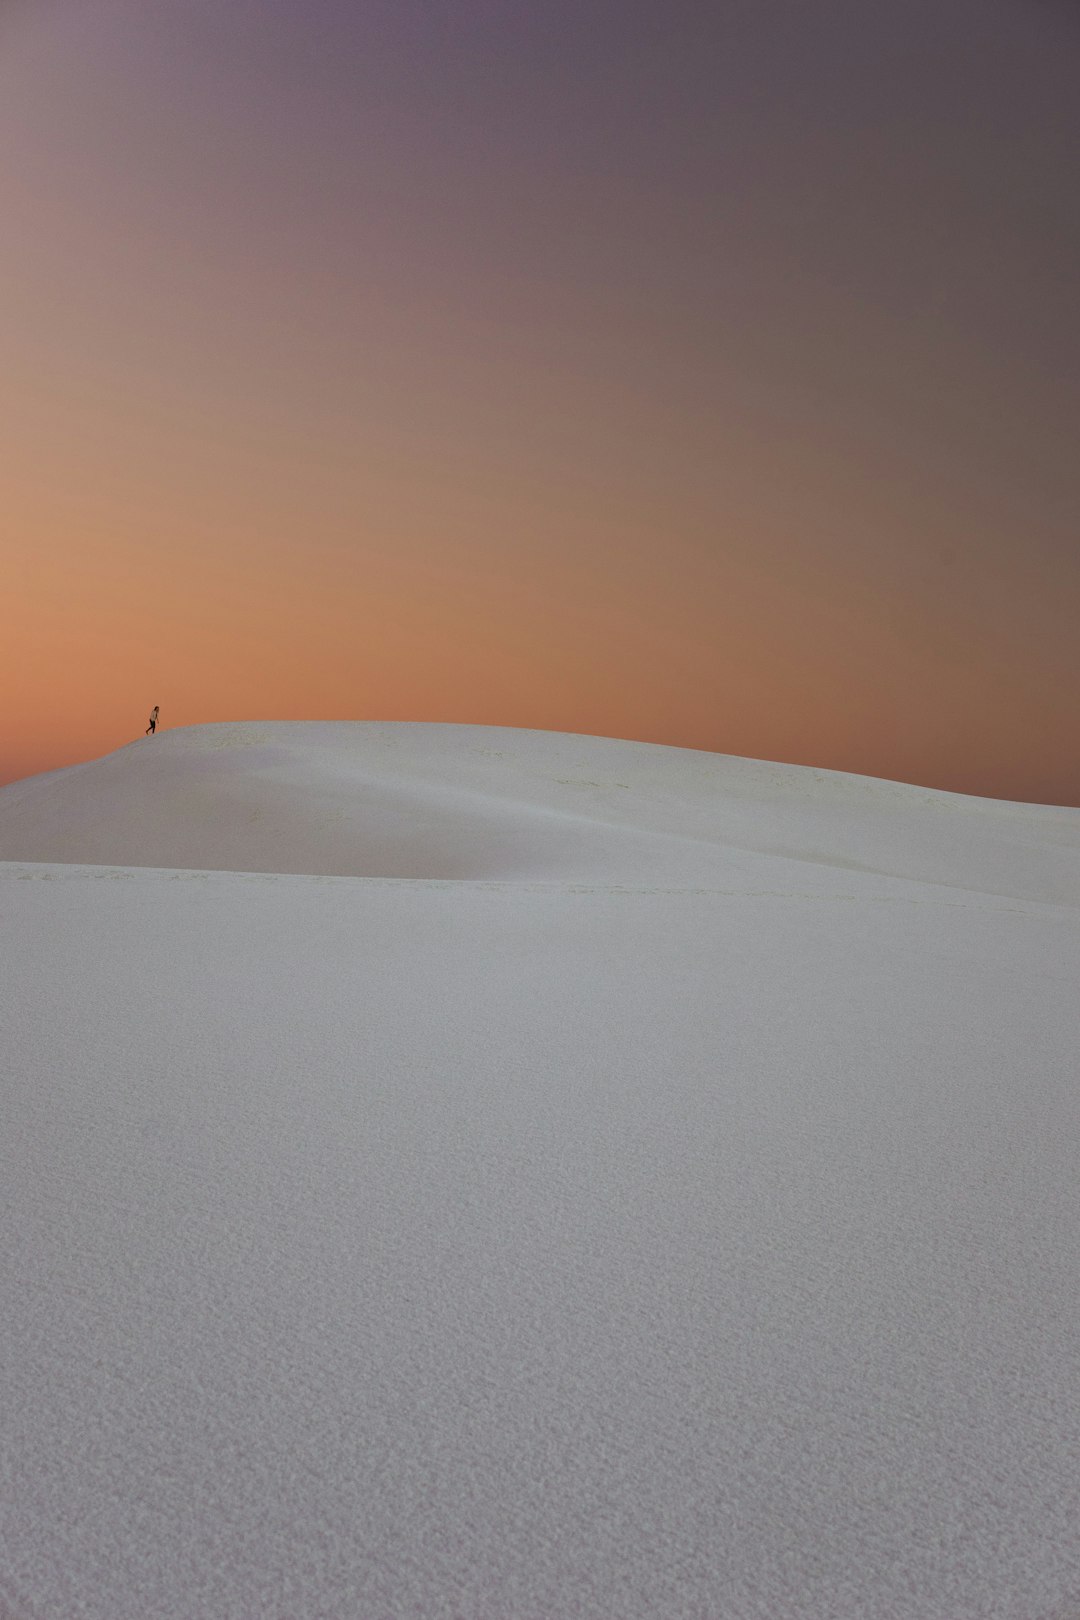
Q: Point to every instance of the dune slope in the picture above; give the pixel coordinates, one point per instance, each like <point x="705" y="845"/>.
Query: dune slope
<point x="396" y="800"/>
<point x="451" y="1172"/>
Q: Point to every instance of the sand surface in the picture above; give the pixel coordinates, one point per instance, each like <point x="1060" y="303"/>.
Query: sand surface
<point x="500" y="1175"/>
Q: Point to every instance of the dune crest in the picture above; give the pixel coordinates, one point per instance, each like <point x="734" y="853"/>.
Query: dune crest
<point x="370" y="799"/>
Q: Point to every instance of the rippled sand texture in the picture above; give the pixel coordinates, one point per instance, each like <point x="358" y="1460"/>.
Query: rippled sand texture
<point x="491" y="1174"/>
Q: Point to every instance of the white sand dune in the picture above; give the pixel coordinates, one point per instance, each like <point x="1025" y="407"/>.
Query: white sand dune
<point x="426" y="801"/>
<point x="503" y="1175"/>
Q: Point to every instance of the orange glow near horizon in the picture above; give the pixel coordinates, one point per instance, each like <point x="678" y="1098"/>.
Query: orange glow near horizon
<point x="361" y="374"/>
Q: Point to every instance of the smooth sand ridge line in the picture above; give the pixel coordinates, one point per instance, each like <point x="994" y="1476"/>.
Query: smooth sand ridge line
<point x="470" y="802"/>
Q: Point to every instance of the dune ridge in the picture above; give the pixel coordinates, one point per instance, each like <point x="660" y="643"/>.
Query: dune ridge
<point x="410" y="800"/>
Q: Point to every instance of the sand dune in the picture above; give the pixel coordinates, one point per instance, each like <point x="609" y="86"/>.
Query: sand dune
<point x="458" y="1172"/>
<point x="436" y="801"/>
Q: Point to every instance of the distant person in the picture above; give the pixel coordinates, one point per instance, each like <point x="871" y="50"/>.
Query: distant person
<point x="152" y="727"/>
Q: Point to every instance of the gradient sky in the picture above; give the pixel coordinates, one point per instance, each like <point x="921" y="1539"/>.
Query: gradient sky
<point x="706" y="373"/>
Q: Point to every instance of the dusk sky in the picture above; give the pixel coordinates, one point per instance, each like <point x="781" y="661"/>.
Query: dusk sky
<point x="704" y="372"/>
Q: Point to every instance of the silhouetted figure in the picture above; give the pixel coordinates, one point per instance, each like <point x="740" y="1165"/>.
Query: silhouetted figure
<point x="152" y="727"/>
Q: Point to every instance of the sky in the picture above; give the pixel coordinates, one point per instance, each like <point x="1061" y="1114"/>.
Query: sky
<point x="706" y="373"/>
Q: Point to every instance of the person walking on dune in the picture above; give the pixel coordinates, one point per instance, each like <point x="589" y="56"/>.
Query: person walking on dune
<point x="152" y="727"/>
